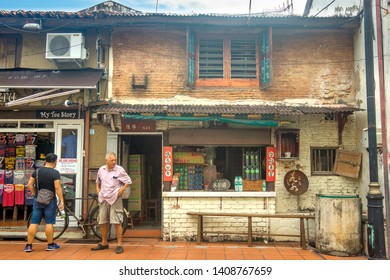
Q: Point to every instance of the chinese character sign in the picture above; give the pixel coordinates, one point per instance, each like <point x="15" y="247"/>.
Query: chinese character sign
<point x="167" y="163"/>
<point x="270" y="167"/>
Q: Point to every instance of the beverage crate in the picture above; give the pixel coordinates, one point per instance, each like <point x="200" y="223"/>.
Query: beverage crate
<point x="248" y="185"/>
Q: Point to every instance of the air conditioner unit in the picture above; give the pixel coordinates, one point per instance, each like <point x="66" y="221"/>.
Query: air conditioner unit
<point x="378" y="138"/>
<point x="63" y="46"/>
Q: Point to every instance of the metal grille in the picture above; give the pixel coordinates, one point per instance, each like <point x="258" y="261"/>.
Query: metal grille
<point x="322" y="160"/>
<point x="210" y="59"/>
<point x="243" y="59"/>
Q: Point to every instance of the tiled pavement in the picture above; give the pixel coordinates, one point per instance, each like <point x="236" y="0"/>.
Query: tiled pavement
<point x="156" y="249"/>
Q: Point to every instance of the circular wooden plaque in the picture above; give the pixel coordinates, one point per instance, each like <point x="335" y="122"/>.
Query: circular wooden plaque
<point x="296" y="182"/>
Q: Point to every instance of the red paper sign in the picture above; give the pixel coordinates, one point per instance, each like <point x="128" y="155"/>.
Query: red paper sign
<point x="270" y="164"/>
<point x="167" y="163"/>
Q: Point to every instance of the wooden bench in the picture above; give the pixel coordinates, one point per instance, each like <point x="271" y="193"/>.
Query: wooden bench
<point x="250" y="216"/>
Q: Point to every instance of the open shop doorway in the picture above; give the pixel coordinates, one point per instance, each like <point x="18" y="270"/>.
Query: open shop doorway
<point x="141" y="156"/>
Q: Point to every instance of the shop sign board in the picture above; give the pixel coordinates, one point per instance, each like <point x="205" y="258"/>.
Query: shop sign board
<point x="270" y="164"/>
<point x="189" y="157"/>
<point x="57" y="114"/>
<point x="130" y="125"/>
<point x="167" y="163"/>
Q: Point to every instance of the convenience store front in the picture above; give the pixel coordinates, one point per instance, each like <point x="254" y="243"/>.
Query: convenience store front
<point x="202" y="154"/>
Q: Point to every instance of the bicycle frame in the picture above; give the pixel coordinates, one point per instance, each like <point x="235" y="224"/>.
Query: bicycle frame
<point x="83" y="220"/>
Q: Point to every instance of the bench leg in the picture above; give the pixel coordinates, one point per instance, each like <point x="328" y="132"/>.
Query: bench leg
<point x="250" y="231"/>
<point x="302" y="229"/>
<point x="200" y="229"/>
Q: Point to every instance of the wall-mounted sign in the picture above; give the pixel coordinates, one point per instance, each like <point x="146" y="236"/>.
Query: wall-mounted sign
<point x="130" y="125"/>
<point x="56" y="114"/>
<point x="167" y="164"/>
<point x="270" y="164"/>
<point x="296" y="182"/>
<point x="7" y="97"/>
<point x="67" y="165"/>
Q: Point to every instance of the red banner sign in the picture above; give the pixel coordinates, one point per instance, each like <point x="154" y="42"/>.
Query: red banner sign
<point x="167" y="163"/>
<point x="270" y="164"/>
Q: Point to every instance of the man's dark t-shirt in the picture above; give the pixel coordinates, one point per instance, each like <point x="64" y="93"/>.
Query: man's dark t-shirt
<point x="46" y="178"/>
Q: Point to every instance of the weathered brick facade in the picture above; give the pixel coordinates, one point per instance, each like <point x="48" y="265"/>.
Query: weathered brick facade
<point x="306" y="64"/>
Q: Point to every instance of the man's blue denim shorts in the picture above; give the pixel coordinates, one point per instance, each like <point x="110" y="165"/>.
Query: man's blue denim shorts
<point x="49" y="212"/>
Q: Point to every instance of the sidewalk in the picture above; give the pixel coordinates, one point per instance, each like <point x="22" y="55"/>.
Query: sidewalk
<point x="156" y="249"/>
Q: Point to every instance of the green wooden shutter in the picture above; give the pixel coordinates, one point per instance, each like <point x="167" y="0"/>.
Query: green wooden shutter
<point x="266" y="58"/>
<point x="190" y="58"/>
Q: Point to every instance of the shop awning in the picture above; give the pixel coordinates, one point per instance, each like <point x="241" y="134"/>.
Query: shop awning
<point x="50" y="79"/>
<point x="269" y="123"/>
<point x="262" y="115"/>
<point x="222" y="108"/>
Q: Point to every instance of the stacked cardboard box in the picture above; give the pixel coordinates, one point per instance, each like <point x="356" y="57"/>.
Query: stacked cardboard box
<point x="136" y="172"/>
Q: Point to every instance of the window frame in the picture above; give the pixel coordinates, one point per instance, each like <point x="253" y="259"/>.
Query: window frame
<point x="280" y="136"/>
<point x="17" y="49"/>
<point x="227" y="81"/>
<point x="330" y="165"/>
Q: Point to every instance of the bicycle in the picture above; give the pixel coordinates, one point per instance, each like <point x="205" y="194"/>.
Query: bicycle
<point x="62" y="221"/>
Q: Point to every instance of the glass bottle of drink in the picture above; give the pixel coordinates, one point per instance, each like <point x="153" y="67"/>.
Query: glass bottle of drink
<point x="257" y="173"/>
<point x="252" y="172"/>
<point x="246" y="174"/>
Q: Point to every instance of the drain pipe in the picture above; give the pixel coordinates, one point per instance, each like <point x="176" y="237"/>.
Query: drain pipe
<point x="379" y="35"/>
<point x="98" y="50"/>
<point x="376" y="238"/>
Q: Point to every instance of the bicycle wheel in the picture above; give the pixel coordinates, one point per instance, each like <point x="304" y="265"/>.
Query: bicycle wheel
<point x="93" y="220"/>
<point x="59" y="227"/>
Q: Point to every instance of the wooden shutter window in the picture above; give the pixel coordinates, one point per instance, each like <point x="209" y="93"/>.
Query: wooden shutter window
<point x="243" y="59"/>
<point x="190" y="58"/>
<point x="210" y="59"/>
<point x="8" y="47"/>
<point x="347" y="163"/>
<point x="266" y="58"/>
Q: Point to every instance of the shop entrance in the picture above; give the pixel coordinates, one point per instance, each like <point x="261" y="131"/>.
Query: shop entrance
<point x="69" y="149"/>
<point x="141" y="156"/>
<point x="23" y="146"/>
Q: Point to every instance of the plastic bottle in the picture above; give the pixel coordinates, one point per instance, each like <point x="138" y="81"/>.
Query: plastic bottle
<point x="239" y="183"/>
<point x="264" y="186"/>
<point x="236" y="184"/>
<point x="62" y="212"/>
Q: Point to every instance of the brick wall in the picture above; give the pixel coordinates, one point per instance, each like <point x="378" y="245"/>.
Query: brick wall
<point x="315" y="131"/>
<point x="306" y="64"/>
<point x="177" y="225"/>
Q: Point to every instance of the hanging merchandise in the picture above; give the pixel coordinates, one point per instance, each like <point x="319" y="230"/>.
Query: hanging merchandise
<point x="20" y="151"/>
<point x="19" y="194"/>
<point x="8" y="195"/>
<point x="20" y="139"/>
<point x="30" y="151"/>
<point x="1" y="192"/>
<point x="28" y="197"/>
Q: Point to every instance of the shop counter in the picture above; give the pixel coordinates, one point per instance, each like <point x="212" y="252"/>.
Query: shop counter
<point x="218" y="194"/>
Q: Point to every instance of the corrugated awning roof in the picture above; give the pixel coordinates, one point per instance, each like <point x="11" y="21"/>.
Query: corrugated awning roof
<point x="269" y="109"/>
<point x="50" y="79"/>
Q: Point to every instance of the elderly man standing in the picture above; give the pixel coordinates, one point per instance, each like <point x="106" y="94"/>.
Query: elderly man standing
<point x="111" y="182"/>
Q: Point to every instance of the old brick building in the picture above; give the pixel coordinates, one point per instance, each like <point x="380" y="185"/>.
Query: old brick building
<point x="257" y="96"/>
